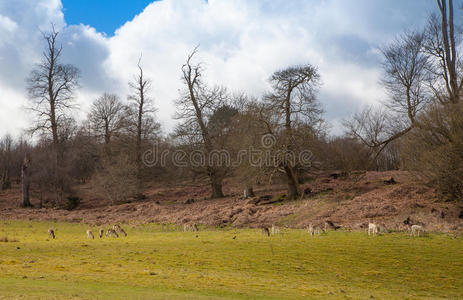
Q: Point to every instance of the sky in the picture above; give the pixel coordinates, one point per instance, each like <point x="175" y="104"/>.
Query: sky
<point x="104" y="15"/>
<point x="242" y="42"/>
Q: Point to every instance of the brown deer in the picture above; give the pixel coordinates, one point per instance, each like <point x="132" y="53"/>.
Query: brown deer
<point x="111" y="232"/>
<point x="265" y="231"/>
<point x="90" y="234"/>
<point x="51" y="233"/>
<point x="119" y="229"/>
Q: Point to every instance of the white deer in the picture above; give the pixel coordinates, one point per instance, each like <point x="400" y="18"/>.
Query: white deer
<point x="372" y="228"/>
<point x="415" y="230"/>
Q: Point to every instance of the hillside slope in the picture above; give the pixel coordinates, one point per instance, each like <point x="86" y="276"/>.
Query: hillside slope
<point x="347" y="202"/>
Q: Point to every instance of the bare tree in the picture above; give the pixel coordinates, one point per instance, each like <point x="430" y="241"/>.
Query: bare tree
<point x="116" y="178"/>
<point x="416" y="67"/>
<point x="107" y="117"/>
<point x="195" y="106"/>
<point x="142" y="108"/>
<point x="423" y="78"/>
<point x="6" y="145"/>
<point x="442" y="46"/>
<point x="405" y="74"/>
<point x="293" y="99"/>
<point x="247" y="130"/>
<point x="405" y="79"/>
<point x="51" y="87"/>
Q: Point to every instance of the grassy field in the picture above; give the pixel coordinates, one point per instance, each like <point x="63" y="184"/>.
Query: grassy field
<point x="156" y="262"/>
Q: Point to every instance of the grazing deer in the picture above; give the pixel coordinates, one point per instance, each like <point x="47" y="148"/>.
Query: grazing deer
<point x="101" y="231"/>
<point x="275" y="230"/>
<point x="119" y="229"/>
<point x="111" y="232"/>
<point x="265" y="231"/>
<point x="190" y="227"/>
<point x="372" y="228"/>
<point x="415" y="230"/>
<point x="90" y="234"/>
<point x="51" y="233"/>
<point x="315" y="230"/>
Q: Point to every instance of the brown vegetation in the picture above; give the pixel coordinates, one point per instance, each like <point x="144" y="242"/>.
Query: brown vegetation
<point x="350" y="202"/>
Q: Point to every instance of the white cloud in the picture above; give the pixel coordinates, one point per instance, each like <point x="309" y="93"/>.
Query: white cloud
<point x="242" y="43"/>
<point x="7" y="25"/>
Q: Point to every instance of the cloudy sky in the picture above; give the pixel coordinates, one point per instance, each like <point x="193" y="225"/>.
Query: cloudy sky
<point x="241" y="43"/>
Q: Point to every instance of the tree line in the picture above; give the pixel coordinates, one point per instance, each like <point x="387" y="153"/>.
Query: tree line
<point x="418" y="128"/>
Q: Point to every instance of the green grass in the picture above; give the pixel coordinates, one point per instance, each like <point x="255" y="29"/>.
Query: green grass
<point x="153" y="264"/>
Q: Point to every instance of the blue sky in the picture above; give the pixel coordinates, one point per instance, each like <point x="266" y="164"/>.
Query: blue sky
<point x="104" y="15"/>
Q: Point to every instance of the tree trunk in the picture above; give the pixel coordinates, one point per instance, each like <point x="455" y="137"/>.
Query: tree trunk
<point x="25" y="184"/>
<point x="59" y="174"/>
<point x="449" y="50"/>
<point x="248" y="192"/>
<point x="139" y="163"/>
<point x="41" y="198"/>
<point x="293" y="189"/>
<point x="6" y="183"/>
<point x="216" y="188"/>
<point x="140" y="195"/>
<point x="107" y="139"/>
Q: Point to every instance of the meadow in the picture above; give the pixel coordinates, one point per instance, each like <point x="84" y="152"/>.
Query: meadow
<point x="163" y="262"/>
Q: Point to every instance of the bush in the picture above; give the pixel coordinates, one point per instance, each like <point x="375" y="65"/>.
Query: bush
<point x="116" y="178"/>
<point x="435" y="150"/>
<point x="72" y="202"/>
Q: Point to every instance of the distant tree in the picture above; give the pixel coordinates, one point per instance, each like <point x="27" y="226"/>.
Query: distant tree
<point x="107" y="117"/>
<point x="423" y="75"/>
<point x="442" y="46"/>
<point x="196" y="108"/>
<point x="6" y="145"/>
<point x="51" y="87"/>
<point x="116" y="178"/>
<point x="221" y="121"/>
<point x="406" y="81"/>
<point x="83" y="155"/>
<point x="247" y="129"/>
<point x="293" y="101"/>
<point x="142" y="120"/>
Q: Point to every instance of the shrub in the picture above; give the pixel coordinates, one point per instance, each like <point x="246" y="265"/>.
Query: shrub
<point x="116" y="177"/>
<point x="72" y="202"/>
<point x="435" y="150"/>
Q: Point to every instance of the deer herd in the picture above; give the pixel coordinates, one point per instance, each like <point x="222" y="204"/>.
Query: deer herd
<point x="415" y="230"/>
<point x="115" y="231"/>
<point x="373" y="229"/>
